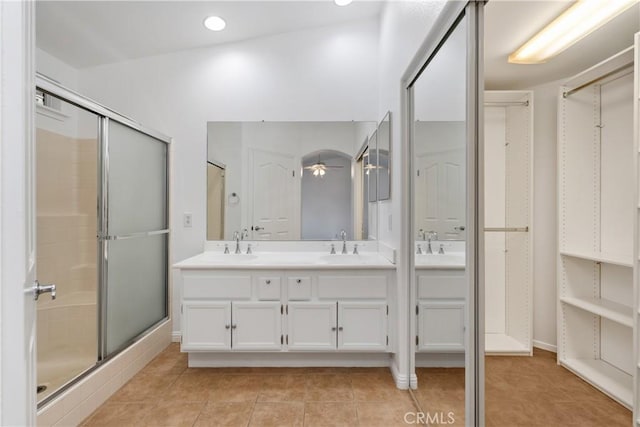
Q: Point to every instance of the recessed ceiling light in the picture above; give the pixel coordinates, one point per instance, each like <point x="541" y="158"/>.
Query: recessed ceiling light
<point x="342" y="2"/>
<point x="215" y="23"/>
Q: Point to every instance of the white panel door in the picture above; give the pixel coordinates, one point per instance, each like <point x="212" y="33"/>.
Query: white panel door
<point x="275" y="196"/>
<point x="441" y="326"/>
<point x="312" y="326"/>
<point x="440" y="186"/>
<point x="362" y="326"/>
<point x="256" y="326"/>
<point x="206" y="325"/>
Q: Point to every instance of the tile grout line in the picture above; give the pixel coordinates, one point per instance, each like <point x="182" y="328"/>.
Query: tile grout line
<point x="415" y="400"/>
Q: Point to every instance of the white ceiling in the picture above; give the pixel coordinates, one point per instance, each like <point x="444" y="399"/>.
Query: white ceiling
<point x="89" y="33"/>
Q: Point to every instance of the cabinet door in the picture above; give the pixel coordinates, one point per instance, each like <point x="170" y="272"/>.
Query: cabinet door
<point x="206" y="325"/>
<point x="362" y="326"/>
<point x="441" y="326"/>
<point x="256" y="326"/>
<point x="312" y="326"/>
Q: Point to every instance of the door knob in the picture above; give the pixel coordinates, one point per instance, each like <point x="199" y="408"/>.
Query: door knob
<point x="268" y="282"/>
<point x="43" y="289"/>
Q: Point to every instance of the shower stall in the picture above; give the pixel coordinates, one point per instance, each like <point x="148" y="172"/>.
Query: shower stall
<point x="102" y="234"/>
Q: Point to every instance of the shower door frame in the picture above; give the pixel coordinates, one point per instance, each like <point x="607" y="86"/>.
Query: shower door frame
<point x="105" y="114"/>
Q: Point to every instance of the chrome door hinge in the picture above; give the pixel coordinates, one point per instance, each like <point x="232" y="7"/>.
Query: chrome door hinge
<point x="286" y="308"/>
<point x="281" y="339"/>
<point x="417" y="309"/>
<point x="281" y="309"/>
<point x="387" y="339"/>
<point x="417" y="340"/>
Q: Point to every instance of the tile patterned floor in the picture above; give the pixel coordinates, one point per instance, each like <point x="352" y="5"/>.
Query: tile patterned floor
<point x="520" y="392"/>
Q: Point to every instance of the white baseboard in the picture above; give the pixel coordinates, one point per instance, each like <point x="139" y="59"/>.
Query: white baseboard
<point x="413" y="381"/>
<point x="401" y="380"/>
<point x="290" y="360"/>
<point x="544" y="346"/>
<point x="175" y="336"/>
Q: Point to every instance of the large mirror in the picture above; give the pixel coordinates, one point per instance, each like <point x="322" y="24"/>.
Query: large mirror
<point x="439" y="137"/>
<point x="292" y="180"/>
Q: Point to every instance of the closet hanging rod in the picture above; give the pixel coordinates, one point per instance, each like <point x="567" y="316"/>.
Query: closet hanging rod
<point x="507" y="229"/>
<point x="507" y="104"/>
<point x="590" y="82"/>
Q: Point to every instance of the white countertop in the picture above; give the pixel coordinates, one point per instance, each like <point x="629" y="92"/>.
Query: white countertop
<point x="286" y="260"/>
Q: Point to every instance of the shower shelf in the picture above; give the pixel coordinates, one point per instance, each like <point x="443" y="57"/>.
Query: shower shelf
<point x="613" y="311"/>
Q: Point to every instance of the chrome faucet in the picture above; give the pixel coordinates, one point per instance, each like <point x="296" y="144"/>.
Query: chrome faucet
<point x="245" y="234"/>
<point x="430" y="236"/>
<point x="236" y="237"/>
<point x="343" y="235"/>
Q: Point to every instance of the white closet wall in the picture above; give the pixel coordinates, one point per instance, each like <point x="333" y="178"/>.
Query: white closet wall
<point x="508" y="238"/>
<point x="596" y="226"/>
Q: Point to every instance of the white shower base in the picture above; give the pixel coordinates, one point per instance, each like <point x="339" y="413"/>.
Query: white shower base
<point x="60" y="369"/>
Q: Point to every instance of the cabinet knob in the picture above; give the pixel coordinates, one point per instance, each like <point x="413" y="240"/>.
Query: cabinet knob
<point x="298" y="281"/>
<point x="227" y="326"/>
<point x="234" y="326"/>
<point x="340" y="328"/>
<point x="333" y="329"/>
<point x="268" y="282"/>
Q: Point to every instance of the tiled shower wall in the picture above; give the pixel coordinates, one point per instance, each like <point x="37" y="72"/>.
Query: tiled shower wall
<point x="66" y="203"/>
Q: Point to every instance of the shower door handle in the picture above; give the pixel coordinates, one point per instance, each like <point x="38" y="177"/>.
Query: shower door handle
<point x="43" y="289"/>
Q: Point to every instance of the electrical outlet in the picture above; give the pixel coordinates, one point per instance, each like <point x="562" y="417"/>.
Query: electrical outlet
<point x="187" y="220"/>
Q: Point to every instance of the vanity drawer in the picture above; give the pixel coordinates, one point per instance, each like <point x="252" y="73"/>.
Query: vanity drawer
<point x="268" y="288"/>
<point x="345" y="287"/>
<point x="442" y="285"/>
<point x="204" y="285"/>
<point x="299" y="288"/>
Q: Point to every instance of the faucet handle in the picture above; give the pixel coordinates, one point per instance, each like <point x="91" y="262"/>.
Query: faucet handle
<point x="441" y="250"/>
<point x="355" y="249"/>
<point x="333" y="249"/>
<point x="249" y="252"/>
<point x="419" y="250"/>
<point x="226" y="248"/>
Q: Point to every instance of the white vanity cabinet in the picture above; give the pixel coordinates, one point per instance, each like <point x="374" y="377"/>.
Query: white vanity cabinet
<point x="341" y="325"/>
<point x="441" y="310"/>
<point x="285" y="311"/>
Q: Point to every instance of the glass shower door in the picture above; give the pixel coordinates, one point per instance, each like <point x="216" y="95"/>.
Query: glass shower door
<point x="135" y="234"/>
<point x="66" y="197"/>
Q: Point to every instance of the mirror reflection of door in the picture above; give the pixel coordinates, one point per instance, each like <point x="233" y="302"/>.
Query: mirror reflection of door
<point x="215" y="201"/>
<point x="440" y="179"/>
<point x="326" y="195"/>
<point x="274" y="198"/>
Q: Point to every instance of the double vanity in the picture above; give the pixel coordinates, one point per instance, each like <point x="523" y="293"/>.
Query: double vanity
<point x="303" y="306"/>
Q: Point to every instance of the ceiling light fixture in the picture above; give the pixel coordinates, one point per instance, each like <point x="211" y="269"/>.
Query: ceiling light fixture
<point x="342" y="2"/>
<point x="215" y="23"/>
<point x="584" y="17"/>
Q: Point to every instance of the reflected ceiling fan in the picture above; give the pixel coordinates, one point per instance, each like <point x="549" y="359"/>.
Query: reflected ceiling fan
<point x="319" y="168"/>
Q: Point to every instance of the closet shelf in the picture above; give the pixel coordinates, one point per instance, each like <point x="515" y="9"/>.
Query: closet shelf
<point x="613" y="311"/>
<point x="607" y="258"/>
<point x="603" y="376"/>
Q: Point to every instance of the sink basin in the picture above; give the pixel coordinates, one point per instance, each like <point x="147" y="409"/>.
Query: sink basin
<point x="230" y="258"/>
<point x="341" y="259"/>
<point x="444" y="260"/>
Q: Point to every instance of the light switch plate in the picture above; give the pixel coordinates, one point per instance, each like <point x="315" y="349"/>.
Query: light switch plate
<point x="187" y="220"/>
